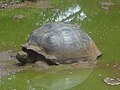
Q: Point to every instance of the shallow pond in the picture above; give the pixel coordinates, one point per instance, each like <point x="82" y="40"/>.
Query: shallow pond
<point x="100" y="20"/>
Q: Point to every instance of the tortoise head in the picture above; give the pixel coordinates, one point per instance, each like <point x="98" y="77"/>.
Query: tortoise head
<point x="22" y="57"/>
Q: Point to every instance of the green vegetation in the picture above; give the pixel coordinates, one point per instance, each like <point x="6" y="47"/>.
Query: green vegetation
<point x="46" y="80"/>
<point x="14" y="31"/>
<point x="102" y="25"/>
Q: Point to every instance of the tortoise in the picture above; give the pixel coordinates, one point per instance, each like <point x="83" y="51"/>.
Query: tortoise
<point x="58" y="43"/>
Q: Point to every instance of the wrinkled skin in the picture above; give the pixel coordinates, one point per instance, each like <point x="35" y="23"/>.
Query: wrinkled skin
<point x="22" y="56"/>
<point x="31" y="57"/>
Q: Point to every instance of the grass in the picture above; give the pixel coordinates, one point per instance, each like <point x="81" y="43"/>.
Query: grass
<point x="103" y="26"/>
<point x="15" y="31"/>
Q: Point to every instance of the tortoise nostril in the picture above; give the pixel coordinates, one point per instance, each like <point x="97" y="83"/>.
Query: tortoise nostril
<point x="24" y="56"/>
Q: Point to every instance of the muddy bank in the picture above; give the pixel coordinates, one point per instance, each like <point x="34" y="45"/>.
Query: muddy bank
<point x="18" y="4"/>
<point x="108" y="4"/>
<point x="10" y="65"/>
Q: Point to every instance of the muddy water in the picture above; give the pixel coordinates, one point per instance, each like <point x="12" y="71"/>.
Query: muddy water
<point x="99" y="18"/>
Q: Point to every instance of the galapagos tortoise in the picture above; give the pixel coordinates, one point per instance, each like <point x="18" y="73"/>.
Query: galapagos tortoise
<point x="58" y="43"/>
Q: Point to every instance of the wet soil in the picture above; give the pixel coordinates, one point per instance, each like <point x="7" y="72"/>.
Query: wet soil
<point x="10" y="65"/>
<point x="16" y="4"/>
<point x="108" y="4"/>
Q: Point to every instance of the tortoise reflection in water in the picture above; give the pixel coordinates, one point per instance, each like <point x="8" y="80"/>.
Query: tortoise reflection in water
<point x="58" y="43"/>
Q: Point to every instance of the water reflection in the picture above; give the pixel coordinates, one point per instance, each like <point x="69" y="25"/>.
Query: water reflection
<point x="68" y="14"/>
<point x="71" y="13"/>
<point x="58" y="81"/>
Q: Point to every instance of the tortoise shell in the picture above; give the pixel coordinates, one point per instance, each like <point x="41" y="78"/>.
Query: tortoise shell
<point x="62" y="43"/>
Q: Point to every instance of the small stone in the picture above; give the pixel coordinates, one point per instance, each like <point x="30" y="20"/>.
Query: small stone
<point x="14" y="89"/>
<point x="114" y="66"/>
<point x="41" y="65"/>
<point x="28" y="81"/>
<point x="18" y="16"/>
<point x="118" y="73"/>
<point x="90" y="32"/>
<point x="107" y="64"/>
<point x="70" y="72"/>
<point x="118" y="79"/>
<point x="112" y="81"/>
<point x="9" y="78"/>
<point x="66" y="78"/>
<point x="100" y="75"/>
<point x="116" y="26"/>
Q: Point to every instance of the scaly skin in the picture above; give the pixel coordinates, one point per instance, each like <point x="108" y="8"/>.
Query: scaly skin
<point x="22" y="57"/>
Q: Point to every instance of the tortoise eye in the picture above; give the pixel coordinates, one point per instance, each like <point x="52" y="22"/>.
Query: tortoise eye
<point x="24" y="55"/>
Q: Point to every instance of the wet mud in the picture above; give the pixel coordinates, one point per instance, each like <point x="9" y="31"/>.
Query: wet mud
<point x="18" y="4"/>
<point x="10" y="65"/>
